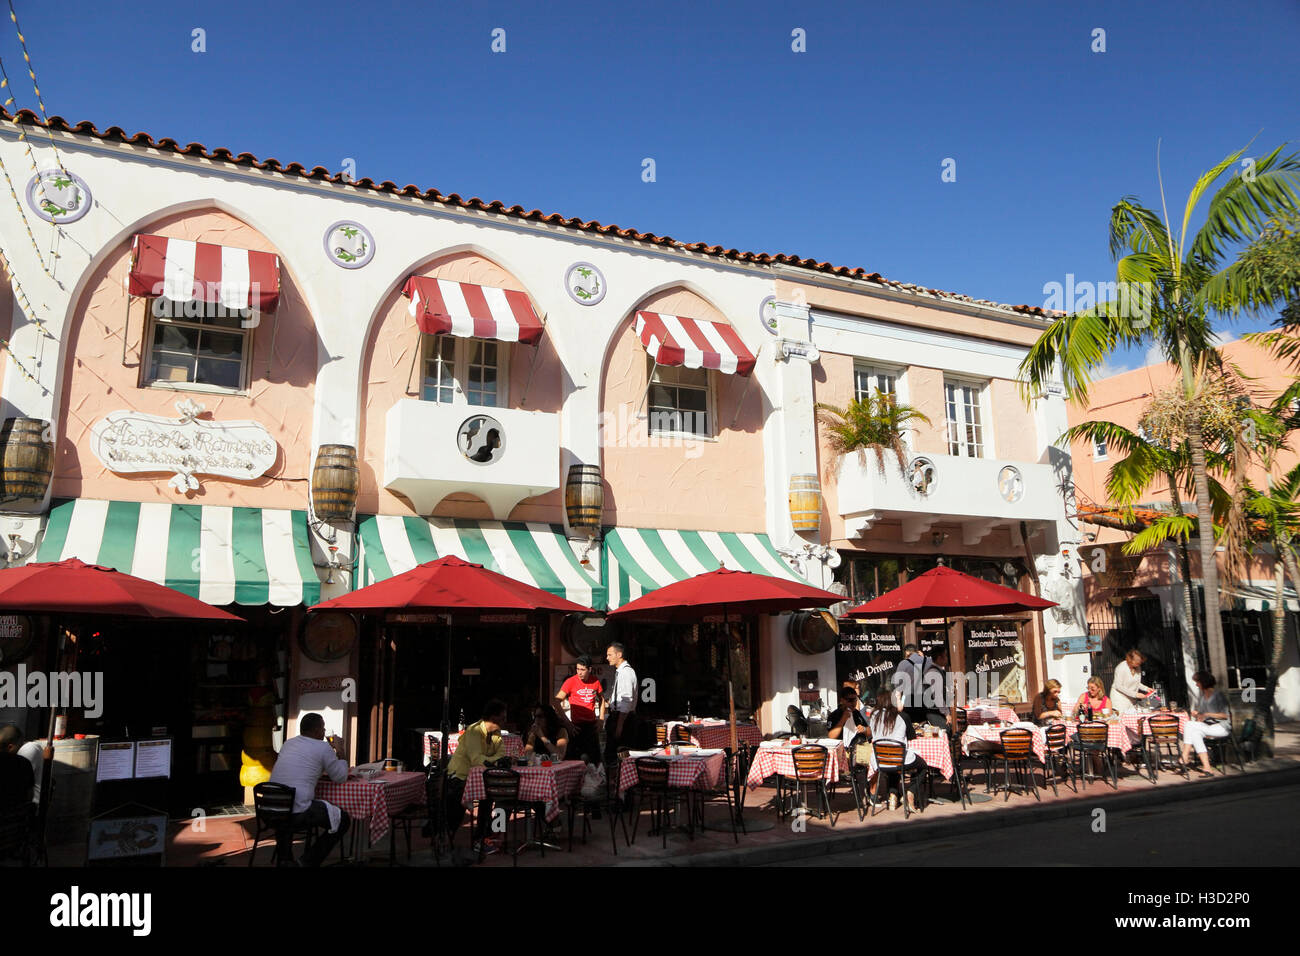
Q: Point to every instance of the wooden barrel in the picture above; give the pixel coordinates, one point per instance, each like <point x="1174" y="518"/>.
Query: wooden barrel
<point x="805" y="503"/>
<point x="75" y="762"/>
<point x="26" y="458"/>
<point x="584" y="497"/>
<point x="334" y="482"/>
<point x="813" y="632"/>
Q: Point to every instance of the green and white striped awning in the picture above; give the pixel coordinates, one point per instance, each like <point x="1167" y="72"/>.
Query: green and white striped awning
<point x="217" y="554"/>
<point x="534" y="553"/>
<point x="639" y="560"/>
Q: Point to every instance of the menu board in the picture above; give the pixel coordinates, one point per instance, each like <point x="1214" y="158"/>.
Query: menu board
<point x="116" y="761"/>
<point x="153" y="758"/>
<point x="996" y="656"/>
<point x="867" y="654"/>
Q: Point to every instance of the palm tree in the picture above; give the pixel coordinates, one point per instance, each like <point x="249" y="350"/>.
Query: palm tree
<point x="1171" y="282"/>
<point x="875" y="422"/>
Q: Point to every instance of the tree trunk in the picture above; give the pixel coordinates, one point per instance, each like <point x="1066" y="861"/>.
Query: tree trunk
<point x="1189" y="610"/>
<point x="1279" y="611"/>
<point x="1209" y="562"/>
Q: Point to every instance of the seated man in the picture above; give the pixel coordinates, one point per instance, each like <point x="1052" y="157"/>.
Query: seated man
<point x="301" y="763"/>
<point x="17" y="781"/>
<point x="478" y="745"/>
<point x="846" y="722"/>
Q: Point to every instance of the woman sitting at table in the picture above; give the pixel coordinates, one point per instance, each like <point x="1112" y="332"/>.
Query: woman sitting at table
<point x="887" y="723"/>
<point x="1094" y="699"/>
<point x="1209" y="712"/>
<point x="546" y="736"/>
<point x="1047" y="703"/>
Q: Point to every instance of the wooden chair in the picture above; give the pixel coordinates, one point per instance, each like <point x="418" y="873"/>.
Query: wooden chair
<point x="810" y="764"/>
<point x="891" y="762"/>
<point x="1093" y="742"/>
<point x="681" y="734"/>
<point x="1018" y="751"/>
<point x="1058" y="757"/>
<point x="661" y="734"/>
<point x="1162" y="744"/>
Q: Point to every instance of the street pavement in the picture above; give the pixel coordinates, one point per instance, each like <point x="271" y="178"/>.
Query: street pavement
<point x="1239" y="829"/>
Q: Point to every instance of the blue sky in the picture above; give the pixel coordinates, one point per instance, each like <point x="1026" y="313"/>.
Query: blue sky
<point x="834" y="153"/>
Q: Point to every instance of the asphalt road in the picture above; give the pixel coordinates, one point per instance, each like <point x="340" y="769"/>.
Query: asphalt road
<point x="1242" y="829"/>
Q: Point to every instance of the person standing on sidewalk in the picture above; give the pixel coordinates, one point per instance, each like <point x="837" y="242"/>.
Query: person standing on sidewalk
<point x="584" y="695"/>
<point x="620" y="710"/>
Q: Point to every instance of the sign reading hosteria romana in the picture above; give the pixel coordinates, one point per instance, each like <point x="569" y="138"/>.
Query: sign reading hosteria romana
<point x="134" y="442"/>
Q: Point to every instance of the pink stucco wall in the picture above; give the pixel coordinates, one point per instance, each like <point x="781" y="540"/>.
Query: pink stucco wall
<point x="386" y="368"/>
<point x="713" y="485"/>
<point x="95" y="382"/>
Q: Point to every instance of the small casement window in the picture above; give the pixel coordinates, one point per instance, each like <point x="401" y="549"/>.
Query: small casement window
<point x="964" y="414"/>
<point x="679" y="401"/>
<point x="460" y="371"/>
<point x="197" y="343"/>
<point x="1099" y="449"/>
<point x="868" y="380"/>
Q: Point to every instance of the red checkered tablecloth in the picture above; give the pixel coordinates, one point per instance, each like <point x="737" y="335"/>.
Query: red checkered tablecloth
<point x="684" y="770"/>
<point x="718" y="736"/>
<point x="994" y="735"/>
<point x="935" y="751"/>
<point x="773" y="761"/>
<point x="512" y="744"/>
<point x="374" y="799"/>
<point x="1004" y="714"/>
<point x="548" y="785"/>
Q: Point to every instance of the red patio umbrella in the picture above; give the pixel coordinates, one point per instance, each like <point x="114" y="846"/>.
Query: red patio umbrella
<point x="717" y="592"/>
<point x="74" y="587"/>
<point x="943" y="592"/>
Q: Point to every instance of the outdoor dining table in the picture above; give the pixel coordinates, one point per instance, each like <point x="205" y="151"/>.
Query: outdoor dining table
<point x="374" y="798"/>
<point x="774" y="761"/>
<point x="546" y="785"/>
<point x="697" y="771"/>
<point x="716" y="734"/>
<point x="1118" y="736"/>
<point x="992" y="733"/>
<point x="512" y="745"/>
<point x="935" y="751"/>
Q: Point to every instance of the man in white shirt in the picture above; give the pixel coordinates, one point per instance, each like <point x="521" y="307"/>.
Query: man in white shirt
<point x="620" y="712"/>
<point x="301" y="763"/>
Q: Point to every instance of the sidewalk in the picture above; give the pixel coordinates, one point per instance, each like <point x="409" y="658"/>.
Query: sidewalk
<point x="224" y="841"/>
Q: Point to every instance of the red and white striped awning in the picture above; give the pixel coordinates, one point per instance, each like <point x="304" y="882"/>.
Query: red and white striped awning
<point x="693" y="343"/>
<point x="186" y="271"/>
<point x="472" y="311"/>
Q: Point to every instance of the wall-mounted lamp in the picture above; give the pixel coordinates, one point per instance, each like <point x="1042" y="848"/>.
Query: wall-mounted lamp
<point x="16" y="553"/>
<point x="585" y="558"/>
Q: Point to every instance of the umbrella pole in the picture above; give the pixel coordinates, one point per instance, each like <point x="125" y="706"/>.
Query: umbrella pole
<point x="47" y="755"/>
<point x="440" y="823"/>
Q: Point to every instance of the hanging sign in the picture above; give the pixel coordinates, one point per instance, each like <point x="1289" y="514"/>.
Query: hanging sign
<point x="132" y="443"/>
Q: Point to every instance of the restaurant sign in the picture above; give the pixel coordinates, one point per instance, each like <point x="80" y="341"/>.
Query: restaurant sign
<point x="994" y="648"/>
<point x="132" y="442"/>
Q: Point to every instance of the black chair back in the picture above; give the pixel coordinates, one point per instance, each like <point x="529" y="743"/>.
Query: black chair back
<point x="501" y="786"/>
<point x="652" y="773"/>
<point x="273" y="803"/>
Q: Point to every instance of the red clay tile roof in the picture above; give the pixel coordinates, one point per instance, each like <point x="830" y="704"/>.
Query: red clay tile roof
<point x="118" y="135"/>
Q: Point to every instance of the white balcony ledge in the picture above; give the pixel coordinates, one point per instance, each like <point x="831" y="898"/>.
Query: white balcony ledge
<point x="964" y="491"/>
<point x="424" y="463"/>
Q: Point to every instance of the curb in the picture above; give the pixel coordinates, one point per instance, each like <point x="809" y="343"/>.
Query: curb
<point x="896" y="833"/>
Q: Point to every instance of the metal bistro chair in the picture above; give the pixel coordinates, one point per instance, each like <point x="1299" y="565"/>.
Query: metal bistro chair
<point x="740" y="784"/>
<point x="273" y="812"/>
<point x="1018" y="749"/>
<point x="1094" y="743"/>
<point x="1162" y="746"/>
<point x="606" y="803"/>
<point x="1218" y="747"/>
<point x="860" y="782"/>
<point x="652" y="788"/>
<point x="984" y="758"/>
<point x="418" y="813"/>
<point x="721" y="791"/>
<point x="810" y="765"/>
<point x="661" y="734"/>
<point x="681" y="734"/>
<point x="1058" y="762"/>
<point x="501" y="789"/>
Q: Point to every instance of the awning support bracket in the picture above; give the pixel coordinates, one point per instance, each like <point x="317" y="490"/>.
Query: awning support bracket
<point x="650" y="380"/>
<point x="532" y="366"/>
<point x="749" y="380"/>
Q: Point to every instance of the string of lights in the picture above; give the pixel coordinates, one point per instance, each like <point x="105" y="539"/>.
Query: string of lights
<point x="31" y="71"/>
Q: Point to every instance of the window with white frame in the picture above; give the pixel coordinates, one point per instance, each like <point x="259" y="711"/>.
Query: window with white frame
<point x="460" y="371"/>
<point x="197" y="343"/>
<point x="1099" y="449"/>
<point x="963" y="407"/>
<point x="679" y="401"/>
<point x="867" y="380"/>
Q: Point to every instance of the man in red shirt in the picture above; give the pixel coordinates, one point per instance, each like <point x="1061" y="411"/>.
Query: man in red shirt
<point x="583" y="693"/>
